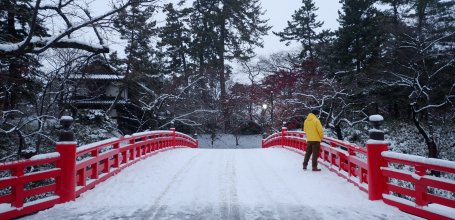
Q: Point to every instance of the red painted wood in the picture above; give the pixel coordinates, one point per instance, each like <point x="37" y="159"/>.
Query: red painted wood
<point x="99" y="164"/>
<point x="361" y="165"/>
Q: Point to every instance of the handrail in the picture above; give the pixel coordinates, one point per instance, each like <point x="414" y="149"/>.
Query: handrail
<point x="107" y="158"/>
<point x="423" y="200"/>
<point x="12" y="204"/>
<point x="347" y="160"/>
<point x="92" y="164"/>
<point x="374" y="163"/>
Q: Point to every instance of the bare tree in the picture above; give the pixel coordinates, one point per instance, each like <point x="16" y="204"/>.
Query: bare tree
<point x="425" y="73"/>
<point x="336" y="104"/>
<point x="253" y="70"/>
<point x="76" y="16"/>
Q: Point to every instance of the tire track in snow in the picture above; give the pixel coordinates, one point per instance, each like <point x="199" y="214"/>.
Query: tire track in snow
<point x="158" y="207"/>
<point x="252" y="167"/>
<point x="281" y="185"/>
<point x="229" y="204"/>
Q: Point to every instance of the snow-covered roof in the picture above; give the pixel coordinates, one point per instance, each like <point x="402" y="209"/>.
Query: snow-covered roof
<point x="96" y="76"/>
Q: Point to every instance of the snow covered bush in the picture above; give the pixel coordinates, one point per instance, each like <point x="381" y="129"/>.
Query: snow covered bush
<point x="94" y="125"/>
<point x="404" y="138"/>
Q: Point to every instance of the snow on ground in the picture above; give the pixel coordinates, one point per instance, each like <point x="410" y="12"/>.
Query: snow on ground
<point x="227" y="141"/>
<point x="223" y="184"/>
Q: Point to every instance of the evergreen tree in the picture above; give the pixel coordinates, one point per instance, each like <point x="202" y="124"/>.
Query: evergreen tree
<point x="136" y="28"/>
<point x="302" y="28"/>
<point x="423" y="64"/>
<point x="15" y="69"/>
<point x="360" y="34"/>
<point x="175" y="37"/>
<point x="234" y="28"/>
<point x="395" y="5"/>
<point x="141" y="66"/>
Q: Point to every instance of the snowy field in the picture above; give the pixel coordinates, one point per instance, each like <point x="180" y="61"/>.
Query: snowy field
<point x="227" y="141"/>
<point x="223" y="184"/>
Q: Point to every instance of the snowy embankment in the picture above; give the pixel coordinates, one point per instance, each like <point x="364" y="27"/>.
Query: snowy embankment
<point x="227" y="141"/>
<point x="223" y="184"/>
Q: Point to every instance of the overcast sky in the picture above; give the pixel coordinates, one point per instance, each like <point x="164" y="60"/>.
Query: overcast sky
<point x="279" y="12"/>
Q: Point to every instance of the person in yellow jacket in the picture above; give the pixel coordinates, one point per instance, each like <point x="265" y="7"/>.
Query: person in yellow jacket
<point x="314" y="134"/>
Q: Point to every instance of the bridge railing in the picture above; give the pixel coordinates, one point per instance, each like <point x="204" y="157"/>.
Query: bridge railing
<point x="345" y="159"/>
<point x="374" y="170"/>
<point x="419" y="195"/>
<point x="44" y="180"/>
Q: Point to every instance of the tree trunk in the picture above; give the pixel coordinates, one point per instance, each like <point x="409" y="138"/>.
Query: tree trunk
<point x="431" y="145"/>
<point x="338" y="131"/>
<point x="21" y="143"/>
<point x="432" y="150"/>
<point x="396" y="111"/>
<point x="395" y="12"/>
<point x="221" y="69"/>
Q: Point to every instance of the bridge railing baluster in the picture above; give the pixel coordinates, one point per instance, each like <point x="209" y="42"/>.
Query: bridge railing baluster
<point x="78" y="169"/>
<point x="370" y="168"/>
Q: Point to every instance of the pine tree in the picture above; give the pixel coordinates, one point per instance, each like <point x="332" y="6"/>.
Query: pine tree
<point x="302" y="28"/>
<point x="142" y="63"/>
<point x="136" y="28"/>
<point x="360" y="34"/>
<point x="175" y="38"/>
<point x="395" y="5"/>
<point x="234" y="28"/>
<point x="424" y="64"/>
<point x="14" y="26"/>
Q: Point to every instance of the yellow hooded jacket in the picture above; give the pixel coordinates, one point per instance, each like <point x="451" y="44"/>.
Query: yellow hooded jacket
<point x="313" y="128"/>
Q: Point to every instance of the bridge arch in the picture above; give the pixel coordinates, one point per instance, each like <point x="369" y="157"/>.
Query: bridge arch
<point x="76" y="170"/>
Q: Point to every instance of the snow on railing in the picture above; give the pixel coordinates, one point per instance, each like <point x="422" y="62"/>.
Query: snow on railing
<point x="345" y="159"/>
<point x="19" y="196"/>
<point x="419" y="195"/>
<point x="65" y="174"/>
<point x="373" y="163"/>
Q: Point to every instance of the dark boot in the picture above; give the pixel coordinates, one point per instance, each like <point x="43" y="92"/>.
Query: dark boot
<point x="316" y="169"/>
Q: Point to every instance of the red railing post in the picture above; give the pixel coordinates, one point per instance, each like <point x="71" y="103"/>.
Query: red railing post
<point x="18" y="190"/>
<point x="421" y="190"/>
<point x="173" y="136"/>
<point x="197" y="141"/>
<point x="132" y="142"/>
<point x="375" y="146"/>
<point x="66" y="147"/>
<point x="283" y="134"/>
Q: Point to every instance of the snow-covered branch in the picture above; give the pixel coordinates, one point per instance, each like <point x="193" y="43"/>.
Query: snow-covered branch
<point x="36" y="45"/>
<point x="182" y="118"/>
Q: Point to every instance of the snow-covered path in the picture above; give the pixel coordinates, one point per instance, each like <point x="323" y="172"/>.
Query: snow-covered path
<point x="223" y="184"/>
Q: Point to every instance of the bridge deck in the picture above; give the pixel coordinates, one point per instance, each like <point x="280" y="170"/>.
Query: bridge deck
<point x="223" y="184"/>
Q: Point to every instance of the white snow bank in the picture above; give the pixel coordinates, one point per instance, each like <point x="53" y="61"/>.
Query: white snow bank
<point x="224" y="141"/>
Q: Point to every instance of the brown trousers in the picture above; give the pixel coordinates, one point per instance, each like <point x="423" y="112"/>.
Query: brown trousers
<point x="312" y="148"/>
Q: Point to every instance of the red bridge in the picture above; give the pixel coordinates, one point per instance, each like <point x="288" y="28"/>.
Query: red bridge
<point x="398" y="180"/>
